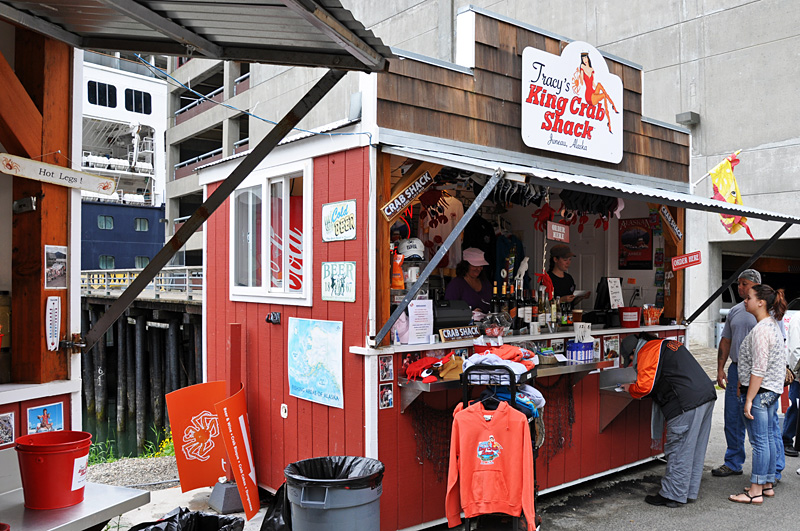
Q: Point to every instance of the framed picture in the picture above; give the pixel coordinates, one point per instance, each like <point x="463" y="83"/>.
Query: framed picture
<point x="386" y="396"/>
<point x="557" y="345"/>
<point x="635" y="244"/>
<point x="8" y="431"/>
<point x="386" y="367"/>
<point x="49" y="417"/>
<point x="55" y="267"/>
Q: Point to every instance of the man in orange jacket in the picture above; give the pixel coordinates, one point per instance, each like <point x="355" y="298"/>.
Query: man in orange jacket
<point x="684" y="395"/>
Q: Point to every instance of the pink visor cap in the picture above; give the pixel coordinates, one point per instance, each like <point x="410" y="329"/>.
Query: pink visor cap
<point x="474" y="256"/>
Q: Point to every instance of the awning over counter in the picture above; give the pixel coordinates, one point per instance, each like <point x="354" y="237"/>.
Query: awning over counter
<point x="568" y="181"/>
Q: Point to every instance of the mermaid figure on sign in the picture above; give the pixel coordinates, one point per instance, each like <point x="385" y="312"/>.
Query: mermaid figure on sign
<point x="595" y="92"/>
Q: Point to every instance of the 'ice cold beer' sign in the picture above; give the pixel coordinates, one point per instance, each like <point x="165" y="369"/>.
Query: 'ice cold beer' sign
<point x="339" y="221"/>
<point x="571" y="104"/>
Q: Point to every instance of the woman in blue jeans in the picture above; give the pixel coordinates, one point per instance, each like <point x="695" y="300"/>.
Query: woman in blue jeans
<point x="762" y="367"/>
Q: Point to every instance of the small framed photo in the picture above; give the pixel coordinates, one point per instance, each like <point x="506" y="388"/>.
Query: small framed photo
<point x="386" y="367"/>
<point x="557" y="345"/>
<point x="386" y="396"/>
<point x="55" y="267"/>
<point x="49" y="417"/>
<point x="7" y="429"/>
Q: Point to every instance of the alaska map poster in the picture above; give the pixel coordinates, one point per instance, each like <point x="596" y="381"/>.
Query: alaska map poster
<point x="315" y="361"/>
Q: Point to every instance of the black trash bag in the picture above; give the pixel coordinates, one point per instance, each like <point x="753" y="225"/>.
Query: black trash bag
<point x="182" y="519"/>
<point x="279" y="512"/>
<point x="340" y="471"/>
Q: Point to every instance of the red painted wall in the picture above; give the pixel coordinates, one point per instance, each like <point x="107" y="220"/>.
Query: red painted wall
<point x="311" y="430"/>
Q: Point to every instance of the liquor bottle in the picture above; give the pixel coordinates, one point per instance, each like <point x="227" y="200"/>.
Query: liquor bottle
<point x="527" y="315"/>
<point x="543" y="308"/>
<point x="522" y="309"/>
<point x="513" y="309"/>
<point x="554" y="310"/>
<point x="504" y="299"/>
<point x="494" y="304"/>
<point x="533" y="308"/>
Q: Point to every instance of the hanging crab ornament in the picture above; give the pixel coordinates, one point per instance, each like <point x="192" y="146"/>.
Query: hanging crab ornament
<point x="582" y="221"/>
<point x="601" y="220"/>
<point x="545" y="280"/>
<point x="542" y="215"/>
<point x="434" y="203"/>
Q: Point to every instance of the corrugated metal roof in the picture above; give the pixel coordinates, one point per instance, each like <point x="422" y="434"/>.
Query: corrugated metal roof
<point x="568" y="181"/>
<point x="319" y="33"/>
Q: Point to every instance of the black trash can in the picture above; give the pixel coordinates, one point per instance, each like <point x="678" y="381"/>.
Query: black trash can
<point x="335" y="493"/>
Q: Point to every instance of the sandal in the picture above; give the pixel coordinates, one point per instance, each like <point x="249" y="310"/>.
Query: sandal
<point x="749" y="499"/>
<point x="768" y="492"/>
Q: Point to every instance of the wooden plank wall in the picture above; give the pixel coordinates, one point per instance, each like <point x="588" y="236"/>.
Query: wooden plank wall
<point x="311" y="430"/>
<point x="484" y="109"/>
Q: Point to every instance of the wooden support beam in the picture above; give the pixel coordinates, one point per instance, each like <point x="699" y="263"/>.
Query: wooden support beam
<point x="20" y="120"/>
<point x="382" y="256"/>
<point x="673" y="303"/>
<point x="44" y="68"/>
<point x="415" y="171"/>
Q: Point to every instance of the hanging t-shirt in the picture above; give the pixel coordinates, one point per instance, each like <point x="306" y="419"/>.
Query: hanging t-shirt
<point x="433" y="237"/>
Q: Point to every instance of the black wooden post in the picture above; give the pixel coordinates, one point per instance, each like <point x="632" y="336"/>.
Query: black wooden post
<point x="122" y="344"/>
<point x="173" y="378"/>
<point x="87" y="381"/>
<point x="130" y="376"/>
<point x="141" y="406"/>
<point x="158" y="378"/>
<point x="197" y="327"/>
<point x="101" y="400"/>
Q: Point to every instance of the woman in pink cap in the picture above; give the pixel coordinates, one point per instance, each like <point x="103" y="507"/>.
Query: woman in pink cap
<point x="471" y="284"/>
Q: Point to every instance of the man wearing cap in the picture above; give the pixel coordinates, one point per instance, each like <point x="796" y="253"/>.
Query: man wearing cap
<point x="668" y="373"/>
<point x="471" y="284"/>
<point x="563" y="283"/>
<point x="737" y="325"/>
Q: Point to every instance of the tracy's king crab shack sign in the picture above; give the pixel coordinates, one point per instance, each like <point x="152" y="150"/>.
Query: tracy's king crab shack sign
<point x="571" y="104"/>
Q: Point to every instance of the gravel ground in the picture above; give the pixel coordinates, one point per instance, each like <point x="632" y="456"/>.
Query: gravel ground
<point x="154" y="473"/>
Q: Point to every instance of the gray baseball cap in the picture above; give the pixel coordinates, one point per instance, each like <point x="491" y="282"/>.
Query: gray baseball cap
<point x="752" y="275"/>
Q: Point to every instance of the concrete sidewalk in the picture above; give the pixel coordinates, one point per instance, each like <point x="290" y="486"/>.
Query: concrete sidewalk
<point x="615" y="502"/>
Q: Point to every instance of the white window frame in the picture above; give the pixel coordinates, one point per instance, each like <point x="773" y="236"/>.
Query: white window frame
<point x="264" y="293"/>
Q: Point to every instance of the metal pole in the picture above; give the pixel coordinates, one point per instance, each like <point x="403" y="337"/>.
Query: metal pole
<point x="735" y="276"/>
<point x="248" y="164"/>
<point x="141" y="405"/>
<point x="455" y="233"/>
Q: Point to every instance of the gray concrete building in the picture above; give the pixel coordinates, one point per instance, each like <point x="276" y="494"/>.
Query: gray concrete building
<point x="731" y="63"/>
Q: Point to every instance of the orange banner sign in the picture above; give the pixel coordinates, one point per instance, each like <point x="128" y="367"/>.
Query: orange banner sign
<point x="199" y="450"/>
<point x="236" y="434"/>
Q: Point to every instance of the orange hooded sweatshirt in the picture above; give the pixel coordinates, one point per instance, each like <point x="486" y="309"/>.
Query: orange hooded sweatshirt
<point x="491" y="464"/>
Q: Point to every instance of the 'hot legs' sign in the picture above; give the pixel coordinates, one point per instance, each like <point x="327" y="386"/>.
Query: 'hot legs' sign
<point x="571" y="104"/>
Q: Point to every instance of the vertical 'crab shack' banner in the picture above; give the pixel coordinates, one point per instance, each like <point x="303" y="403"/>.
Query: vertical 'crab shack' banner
<point x="199" y="449"/>
<point x="235" y="427"/>
<point x="571" y="104"/>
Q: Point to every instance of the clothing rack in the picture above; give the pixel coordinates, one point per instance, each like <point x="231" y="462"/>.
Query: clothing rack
<point x="499" y="375"/>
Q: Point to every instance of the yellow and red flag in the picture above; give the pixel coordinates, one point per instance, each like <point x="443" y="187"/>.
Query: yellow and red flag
<point x="727" y="189"/>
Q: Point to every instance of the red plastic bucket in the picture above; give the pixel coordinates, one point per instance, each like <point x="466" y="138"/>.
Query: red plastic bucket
<point x="629" y="316"/>
<point x="53" y="466"/>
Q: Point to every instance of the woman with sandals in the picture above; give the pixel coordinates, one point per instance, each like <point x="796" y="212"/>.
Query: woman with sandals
<point x="762" y="368"/>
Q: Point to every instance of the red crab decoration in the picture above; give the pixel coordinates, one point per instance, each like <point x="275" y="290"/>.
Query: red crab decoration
<point x="542" y="215"/>
<point x="545" y="280"/>
<point x="434" y="203"/>
<point x="601" y="220"/>
<point x="582" y="221"/>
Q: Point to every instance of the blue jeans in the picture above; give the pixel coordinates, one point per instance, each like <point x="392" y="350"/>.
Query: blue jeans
<point x="790" y="420"/>
<point x="734" y="422"/>
<point x="734" y="427"/>
<point x="760" y="430"/>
